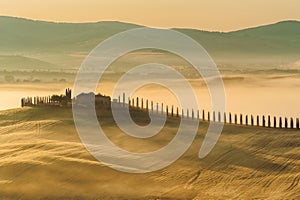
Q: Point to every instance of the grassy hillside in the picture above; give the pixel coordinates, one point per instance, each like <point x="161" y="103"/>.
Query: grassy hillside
<point x="66" y="44"/>
<point x="62" y="45"/>
<point x="40" y="149"/>
<point x="19" y="34"/>
<point x="281" y="39"/>
<point x="269" y="45"/>
<point x="24" y="63"/>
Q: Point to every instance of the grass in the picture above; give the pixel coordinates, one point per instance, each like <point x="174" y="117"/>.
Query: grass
<point x="247" y="162"/>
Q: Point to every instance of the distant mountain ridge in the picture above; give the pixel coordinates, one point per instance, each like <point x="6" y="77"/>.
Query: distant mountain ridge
<point x="24" y="34"/>
<point x="278" y="43"/>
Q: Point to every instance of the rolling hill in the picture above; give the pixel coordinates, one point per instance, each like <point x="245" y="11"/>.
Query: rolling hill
<point x="65" y="45"/>
<point x="40" y="149"/>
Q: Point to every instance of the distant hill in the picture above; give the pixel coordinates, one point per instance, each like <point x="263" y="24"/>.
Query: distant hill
<point x="19" y="34"/>
<point x="20" y="62"/>
<point x="276" y="43"/>
<point x="64" y="45"/>
<point x="279" y="38"/>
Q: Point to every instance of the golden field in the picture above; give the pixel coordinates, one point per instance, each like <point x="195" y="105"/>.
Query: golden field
<point x="42" y="157"/>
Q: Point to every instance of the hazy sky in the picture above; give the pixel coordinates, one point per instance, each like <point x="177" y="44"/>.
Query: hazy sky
<point x="221" y="15"/>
